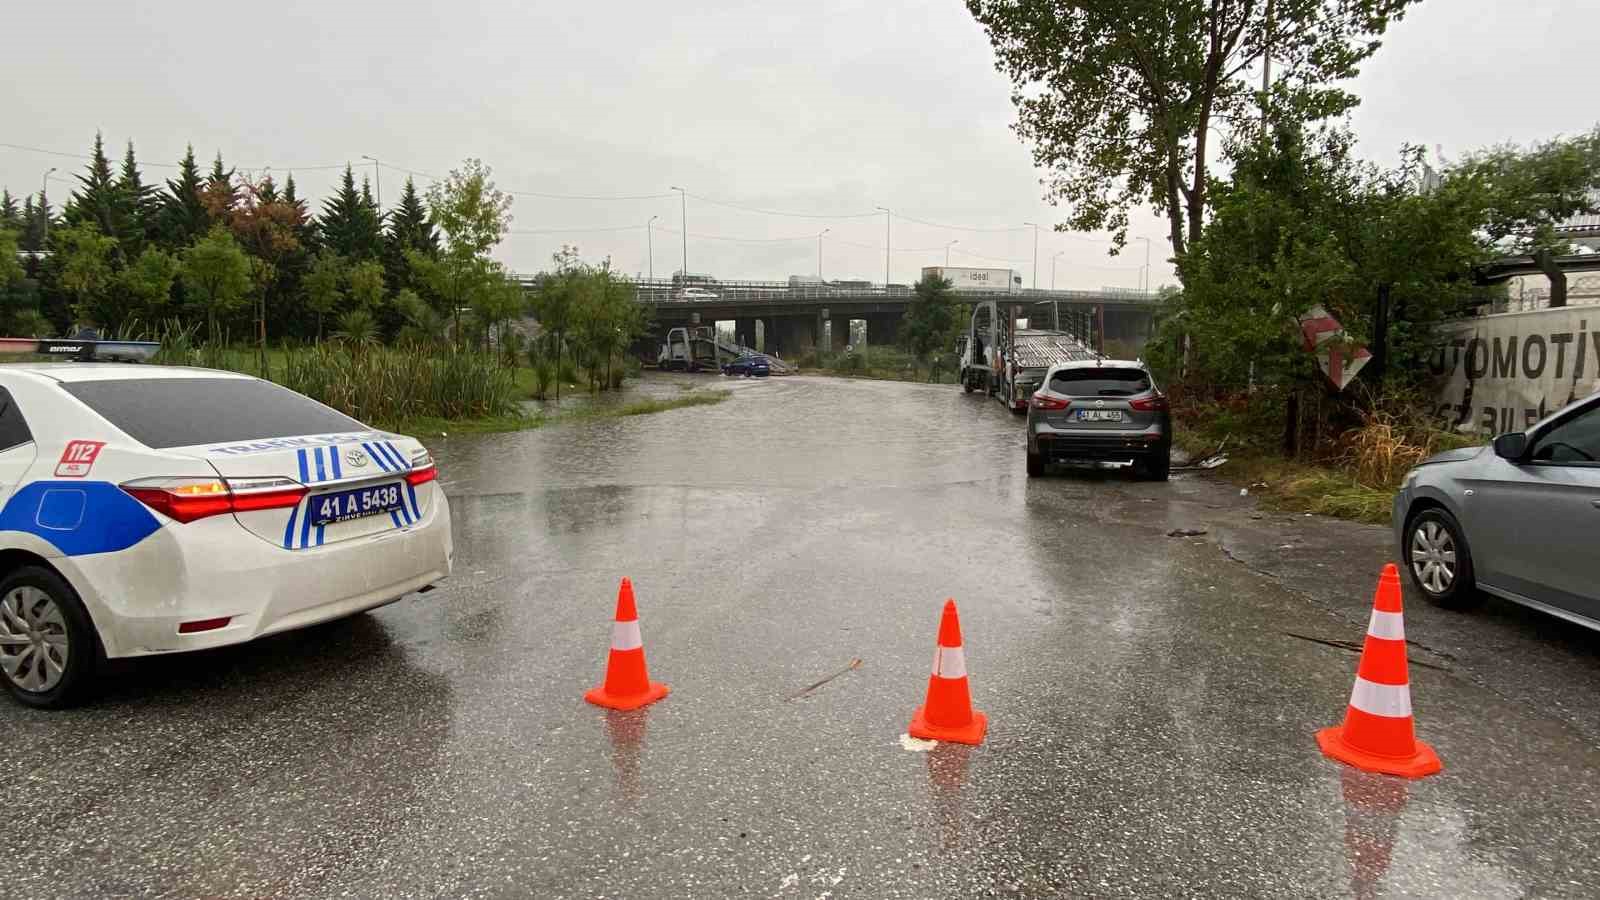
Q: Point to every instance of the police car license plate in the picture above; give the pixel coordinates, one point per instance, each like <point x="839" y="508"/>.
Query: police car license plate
<point x="1099" y="415"/>
<point x="355" y="504"/>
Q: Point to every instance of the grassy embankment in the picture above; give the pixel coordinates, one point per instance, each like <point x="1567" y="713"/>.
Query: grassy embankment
<point x="1352" y="474"/>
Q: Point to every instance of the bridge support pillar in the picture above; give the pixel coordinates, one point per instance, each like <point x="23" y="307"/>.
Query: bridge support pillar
<point x="883" y="329"/>
<point x="792" y="336"/>
<point x="841" y="334"/>
<point x="744" y="332"/>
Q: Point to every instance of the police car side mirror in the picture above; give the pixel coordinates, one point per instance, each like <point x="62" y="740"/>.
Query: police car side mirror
<point x="1511" y="446"/>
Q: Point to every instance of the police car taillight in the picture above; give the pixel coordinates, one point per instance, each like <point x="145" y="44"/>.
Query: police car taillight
<point x="189" y="499"/>
<point x="423" y="475"/>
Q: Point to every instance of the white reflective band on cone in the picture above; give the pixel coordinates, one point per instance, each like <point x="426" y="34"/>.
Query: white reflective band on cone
<point x="949" y="662"/>
<point x="1390" y="700"/>
<point x="625" y="636"/>
<point x="1390" y="626"/>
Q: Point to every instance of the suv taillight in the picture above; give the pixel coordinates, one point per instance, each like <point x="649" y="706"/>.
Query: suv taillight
<point x="1042" y="401"/>
<point x="1152" y="403"/>
<point x="187" y="499"/>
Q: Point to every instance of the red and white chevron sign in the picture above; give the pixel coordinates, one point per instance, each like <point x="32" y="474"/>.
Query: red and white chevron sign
<point x="1341" y="360"/>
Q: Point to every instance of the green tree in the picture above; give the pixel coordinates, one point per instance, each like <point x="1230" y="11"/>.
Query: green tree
<point x="1303" y="223"/>
<point x="409" y="230"/>
<point x="19" y="295"/>
<point x="366" y="285"/>
<point x="470" y="211"/>
<point x="1120" y="99"/>
<point x="349" y="223"/>
<point x="216" y="276"/>
<point x="473" y="216"/>
<point x="142" y="291"/>
<point x="929" y="317"/>
<point x="183" y="218"/>
<point x="98" y="200"/>
<point x="324" y="285"/>
<point x="138" y="207"/>
<point x="86" y="272"/>
<point x="10" y="212"/>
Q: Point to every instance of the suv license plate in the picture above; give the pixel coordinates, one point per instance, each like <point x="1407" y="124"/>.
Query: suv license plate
<point x="1099" y="415"/>
<point x="343" y="506"/>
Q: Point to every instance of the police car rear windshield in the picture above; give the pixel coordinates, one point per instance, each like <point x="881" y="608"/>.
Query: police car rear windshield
<point x="179" y="412"/>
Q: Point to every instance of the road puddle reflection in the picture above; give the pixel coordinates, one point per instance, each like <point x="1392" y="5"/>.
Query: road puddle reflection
<point x="1373" y="805"/>
<point x="625" y="732"/>
<point x="947" y="781"/>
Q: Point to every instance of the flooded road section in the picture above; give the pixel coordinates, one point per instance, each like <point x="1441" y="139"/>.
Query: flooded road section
<point x="1152" y="699"/>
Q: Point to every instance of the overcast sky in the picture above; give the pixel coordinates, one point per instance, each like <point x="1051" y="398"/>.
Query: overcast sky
<point x="823" y="108"/>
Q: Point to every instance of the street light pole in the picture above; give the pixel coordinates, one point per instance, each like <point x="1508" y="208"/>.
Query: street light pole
<point x="1146" y="263"/>
<point x="886" y="215"/>
<point x="377" y="181"/>
<point x="44" y="214"/>
<point x="650" y="241"/>
<point x="947" y="251"/>
<point x="819" y="251"/>
<point x="1035" y="254"/>
<point x="683" y="196"/>
<point x="1053" y="269"/>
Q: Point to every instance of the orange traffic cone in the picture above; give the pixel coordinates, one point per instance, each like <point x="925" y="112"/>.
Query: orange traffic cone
<point x="947" y="715"/>
<point x="627" y="684"/>
<point x="1377" y="734"/>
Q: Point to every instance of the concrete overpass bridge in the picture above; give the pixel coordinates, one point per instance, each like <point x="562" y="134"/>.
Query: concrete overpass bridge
<point x="794" y="317"/>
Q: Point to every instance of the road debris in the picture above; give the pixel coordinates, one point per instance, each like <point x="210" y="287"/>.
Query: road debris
<point x="854" y="664"/>
<point x="1186" y="532"/>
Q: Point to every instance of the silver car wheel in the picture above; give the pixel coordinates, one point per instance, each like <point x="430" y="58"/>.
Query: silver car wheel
<point x="34" y="645"/>
<point x="1433" y="556"/>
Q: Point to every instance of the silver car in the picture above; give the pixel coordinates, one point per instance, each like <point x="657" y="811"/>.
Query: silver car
<point x="1515" y="519"/>
<point x="1100" y="410"/>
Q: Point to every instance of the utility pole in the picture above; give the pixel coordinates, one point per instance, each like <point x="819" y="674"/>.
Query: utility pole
<point x="1035" y="284"/>
<point x="377" y="182"/>
<point x="1146" y="283"/>
<point x="683" y="195"/>
<point x="1266" y="71"/>
<point x="650" y="242"/>
<point x="886" y="215"/>
<point x="947" y="251"/>
<point x="44" y="211"/>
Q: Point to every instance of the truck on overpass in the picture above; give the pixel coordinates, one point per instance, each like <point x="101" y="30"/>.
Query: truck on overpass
<point x="996" y="281"/>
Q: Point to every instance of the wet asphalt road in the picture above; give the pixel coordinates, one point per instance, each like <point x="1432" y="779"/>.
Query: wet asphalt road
<point x="1151" y="714"/>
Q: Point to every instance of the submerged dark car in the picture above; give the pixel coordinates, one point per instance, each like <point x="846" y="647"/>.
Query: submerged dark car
<point x="748" y="366"/>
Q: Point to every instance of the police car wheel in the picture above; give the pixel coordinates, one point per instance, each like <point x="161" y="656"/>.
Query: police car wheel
<point x="48" y="649"/>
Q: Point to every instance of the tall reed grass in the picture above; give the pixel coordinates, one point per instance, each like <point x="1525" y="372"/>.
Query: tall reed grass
<point x="376" y="384"/>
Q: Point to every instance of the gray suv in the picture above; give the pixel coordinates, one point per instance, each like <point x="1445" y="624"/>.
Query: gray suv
<point x="1100" y="410"/>
<point x="1516" y="519"/>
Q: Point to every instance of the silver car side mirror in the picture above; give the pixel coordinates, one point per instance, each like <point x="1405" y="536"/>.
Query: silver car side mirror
<point x="1511" y="446"/>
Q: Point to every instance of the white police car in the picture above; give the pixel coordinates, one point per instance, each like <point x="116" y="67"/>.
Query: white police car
<point x="152" y="509"/>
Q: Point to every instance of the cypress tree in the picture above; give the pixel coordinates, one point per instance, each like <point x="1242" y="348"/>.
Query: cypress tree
<point x="183" y="218"/>
<point x="349" y="224"/>
<point x="138" y="207"/>
<point x="221" y="195"/>
<point x="409" y="230"/>
<point x="98" y="199"/>
<point x="10" y="213"/>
